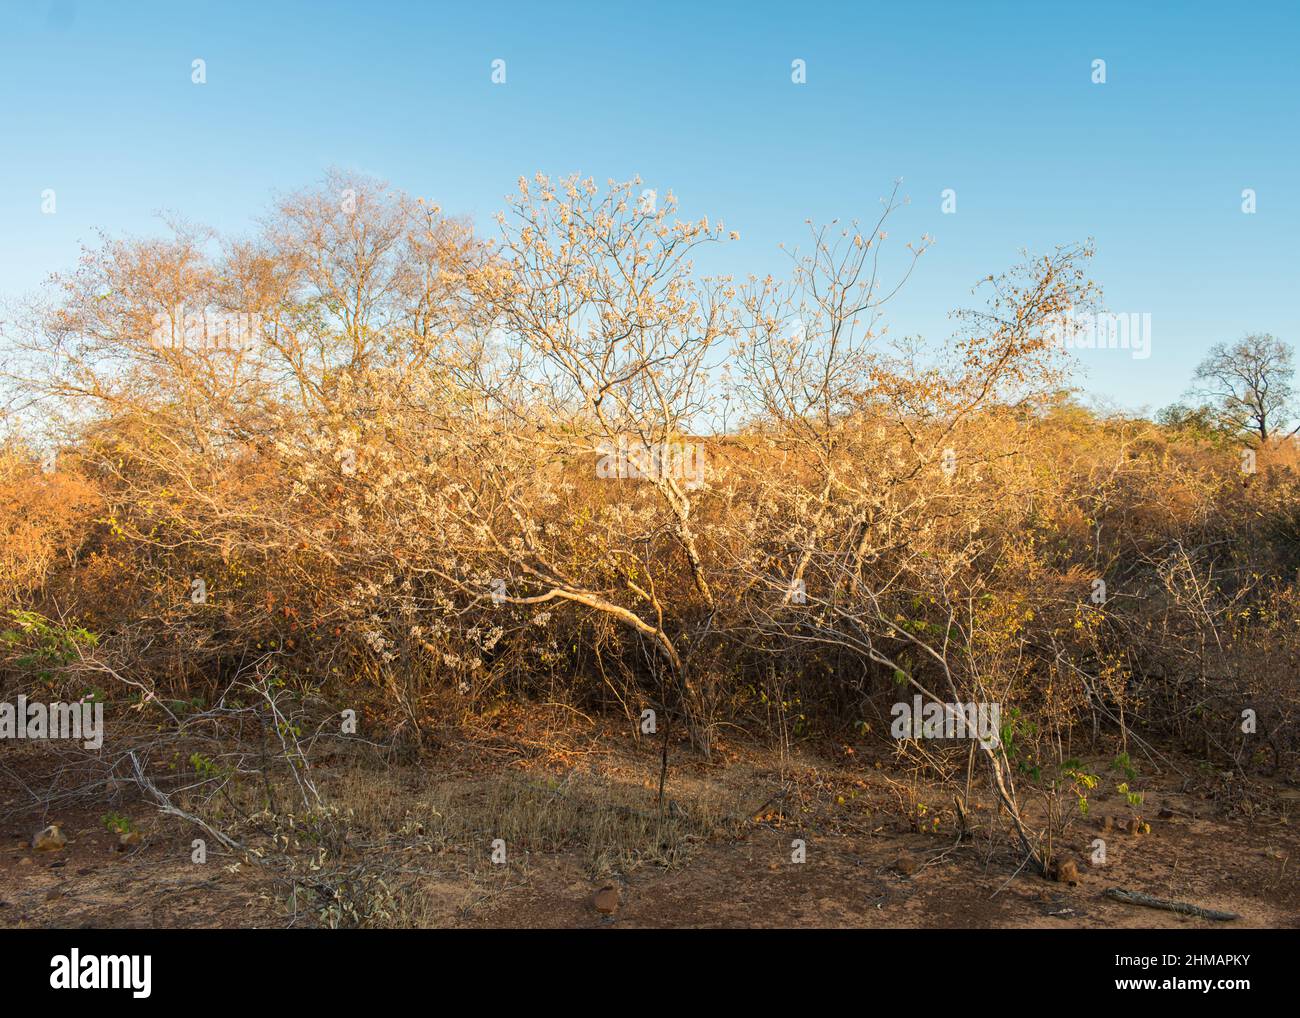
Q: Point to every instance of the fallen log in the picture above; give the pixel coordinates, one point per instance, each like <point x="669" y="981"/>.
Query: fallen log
<point x="1138" y="898"/>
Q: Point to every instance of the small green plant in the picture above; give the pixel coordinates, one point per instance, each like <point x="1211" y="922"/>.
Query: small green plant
<point x="1080" y="782"/>
<point x="43" y="646"/>
<point x="205" y="766"/>
<point x="1123" y="763"/>
<point x="116" y="823"/>
<point x="1014" y="733"/>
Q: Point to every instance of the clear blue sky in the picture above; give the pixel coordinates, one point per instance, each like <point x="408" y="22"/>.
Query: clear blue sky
<point x="994" y="100"/>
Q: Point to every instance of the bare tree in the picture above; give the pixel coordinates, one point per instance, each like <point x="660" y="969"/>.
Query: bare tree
<point x="1247" y="385"/>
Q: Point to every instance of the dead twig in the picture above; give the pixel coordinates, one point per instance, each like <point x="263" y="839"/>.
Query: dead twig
<point x="165" y="805"/>
<point x="1183" y="907"/>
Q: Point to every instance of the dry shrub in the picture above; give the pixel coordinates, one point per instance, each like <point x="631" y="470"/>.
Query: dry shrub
<point x="44" y="516"/>
<point x="415" y="486"/>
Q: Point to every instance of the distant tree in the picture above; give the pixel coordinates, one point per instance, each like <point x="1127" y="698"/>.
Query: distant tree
<point x="1198" y="420"/>
<point x="1248" y="386"/>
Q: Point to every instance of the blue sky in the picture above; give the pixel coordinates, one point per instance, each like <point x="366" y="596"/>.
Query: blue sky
<point x="994" y="100"/>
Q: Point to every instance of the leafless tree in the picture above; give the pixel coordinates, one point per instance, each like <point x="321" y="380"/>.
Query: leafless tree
<point x="1248" y="385"/>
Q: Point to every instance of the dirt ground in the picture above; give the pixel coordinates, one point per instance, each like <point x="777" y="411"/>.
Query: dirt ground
<point x="879" y="851"/>
<point x="851" y="882"/>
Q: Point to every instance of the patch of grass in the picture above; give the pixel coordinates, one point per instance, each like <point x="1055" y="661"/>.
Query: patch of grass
<point x="614" y="827"/>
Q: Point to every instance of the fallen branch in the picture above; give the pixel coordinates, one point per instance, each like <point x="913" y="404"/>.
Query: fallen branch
<point x="1138" y="898"/>
<point x="165" y="805"/>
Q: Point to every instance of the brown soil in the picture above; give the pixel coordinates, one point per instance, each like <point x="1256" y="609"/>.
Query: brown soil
<point x="868" y="863"/>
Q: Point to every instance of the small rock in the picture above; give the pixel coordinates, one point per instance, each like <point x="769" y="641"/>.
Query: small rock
<point x="1165" y="813"/>
<point x="1064" y="871"/>
<point x="606" y="900"/>
<point x="25" y="861"/>
<point x="129" y="838"/>
<point x="906" y="864"/>
<point x="49" y="840"/>
<point x="24" y="844"/>
<point x="1106" y="824"/>
<point x="54" y="894"/>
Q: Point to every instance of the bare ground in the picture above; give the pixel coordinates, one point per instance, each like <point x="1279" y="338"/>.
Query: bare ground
<point x="880" y="851"/>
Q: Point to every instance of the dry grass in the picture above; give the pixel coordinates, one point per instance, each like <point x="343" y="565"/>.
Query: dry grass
<point x="397" y="847"/>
